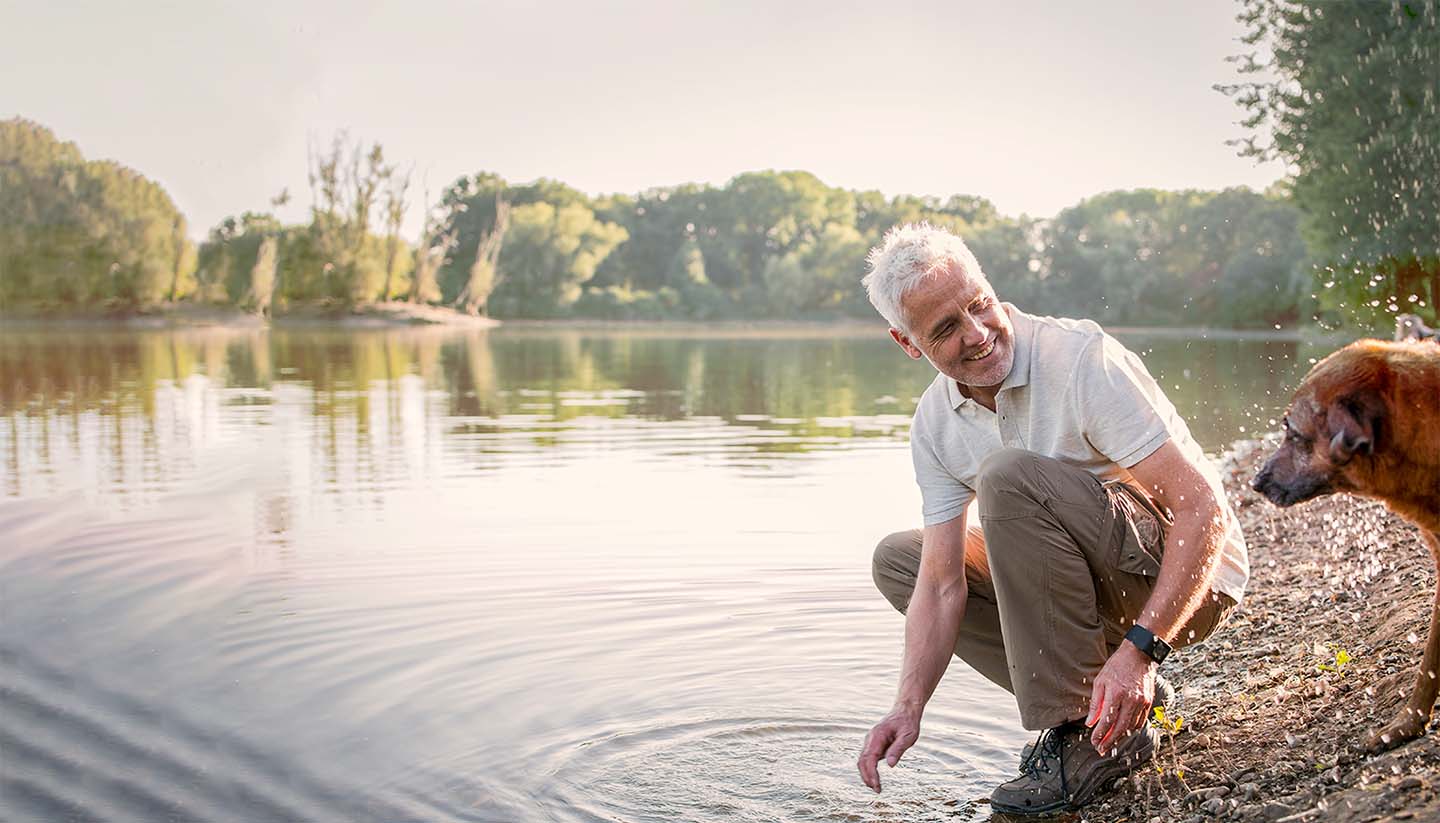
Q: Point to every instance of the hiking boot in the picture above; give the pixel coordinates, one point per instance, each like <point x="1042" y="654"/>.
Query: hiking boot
<point x="1064" y="771"/>
<point x="1164" y="698"/>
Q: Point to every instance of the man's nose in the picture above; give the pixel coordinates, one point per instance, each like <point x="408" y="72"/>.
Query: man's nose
<point x="972" y="333"/>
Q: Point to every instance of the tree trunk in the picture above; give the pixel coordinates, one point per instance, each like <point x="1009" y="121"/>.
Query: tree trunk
<point x="390" y="244"/>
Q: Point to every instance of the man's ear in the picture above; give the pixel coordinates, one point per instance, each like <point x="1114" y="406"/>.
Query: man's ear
<point x="1355" y="422"/>
<point x="903" y="341"/>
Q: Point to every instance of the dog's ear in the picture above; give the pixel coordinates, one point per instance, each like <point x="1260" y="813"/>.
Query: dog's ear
<point x="1355" y="423"/>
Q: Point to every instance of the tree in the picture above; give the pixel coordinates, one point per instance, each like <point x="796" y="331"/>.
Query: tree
<point x="550" y="253"/>
<point x="396" y="205"/>
<point x="234" y="257"/>
<point x="84" y="233"/>
<point x="341" y="259"/>
<point x="435" y="243"/>
<point x="484" y="275"/>
<point x="1348" y="93"/>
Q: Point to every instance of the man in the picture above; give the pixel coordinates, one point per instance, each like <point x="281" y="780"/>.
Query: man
<point x="1104" y="537"/>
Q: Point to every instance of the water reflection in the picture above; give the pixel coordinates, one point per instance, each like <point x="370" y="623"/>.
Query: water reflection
<point x="793" y="394"/>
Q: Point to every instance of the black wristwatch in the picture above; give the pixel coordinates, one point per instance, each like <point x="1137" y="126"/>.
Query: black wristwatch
<point x="1145" y="640"/>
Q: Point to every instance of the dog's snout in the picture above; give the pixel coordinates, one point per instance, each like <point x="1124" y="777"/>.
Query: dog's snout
<point x="1260" y="480"/>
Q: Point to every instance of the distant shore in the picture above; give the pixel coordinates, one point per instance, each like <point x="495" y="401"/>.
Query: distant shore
<point x="398" y="314"/>
<point x="376" y="315"/>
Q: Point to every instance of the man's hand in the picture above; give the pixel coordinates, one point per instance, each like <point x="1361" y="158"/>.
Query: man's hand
<point x="889" y="739"/>
<point x="1120" y="701"/>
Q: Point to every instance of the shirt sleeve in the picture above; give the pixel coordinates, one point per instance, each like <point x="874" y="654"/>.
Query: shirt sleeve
<point x="943" y="496"/>
<point x="1121" y="408"/>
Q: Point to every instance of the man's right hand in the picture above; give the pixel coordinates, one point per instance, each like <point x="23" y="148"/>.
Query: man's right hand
<point x="889" y="739"/>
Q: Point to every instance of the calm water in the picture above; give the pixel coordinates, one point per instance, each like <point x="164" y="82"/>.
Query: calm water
<point x="510" y="575"/>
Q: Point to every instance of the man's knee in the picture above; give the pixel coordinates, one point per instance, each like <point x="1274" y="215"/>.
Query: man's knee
<point x="894" y="565"/>
<point x="1001" y="474"/>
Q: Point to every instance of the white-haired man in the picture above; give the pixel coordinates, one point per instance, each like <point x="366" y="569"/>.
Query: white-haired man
<point x="1104" y="537"/>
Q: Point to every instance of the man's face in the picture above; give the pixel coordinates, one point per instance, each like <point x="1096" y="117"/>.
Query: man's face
<point x="960" y="327"/>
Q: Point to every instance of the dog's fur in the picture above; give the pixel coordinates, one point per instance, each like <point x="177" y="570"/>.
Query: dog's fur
<point x="1411" y="327"/>
<point x="1366" y="421"/>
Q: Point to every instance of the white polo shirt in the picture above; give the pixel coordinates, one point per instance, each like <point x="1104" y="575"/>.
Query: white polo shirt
<point x="1074" y="394"/>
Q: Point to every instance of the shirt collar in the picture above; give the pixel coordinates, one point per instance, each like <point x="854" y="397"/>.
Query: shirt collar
<point x="1024" y="331"/>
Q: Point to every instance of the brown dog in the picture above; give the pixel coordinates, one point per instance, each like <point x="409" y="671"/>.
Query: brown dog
<point x="1366" y="420"/>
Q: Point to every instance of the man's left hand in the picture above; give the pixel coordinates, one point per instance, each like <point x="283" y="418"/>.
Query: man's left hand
<point x="1120" y="701"/>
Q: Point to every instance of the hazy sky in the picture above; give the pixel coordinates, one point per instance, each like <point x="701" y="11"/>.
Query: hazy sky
<point x="1032" y="104"/>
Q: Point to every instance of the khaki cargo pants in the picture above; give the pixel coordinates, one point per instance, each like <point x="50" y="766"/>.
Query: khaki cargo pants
<point x="1071" y="562"/>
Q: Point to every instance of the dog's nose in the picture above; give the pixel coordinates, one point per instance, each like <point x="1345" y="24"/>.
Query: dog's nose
<point x="1261" y="478"/>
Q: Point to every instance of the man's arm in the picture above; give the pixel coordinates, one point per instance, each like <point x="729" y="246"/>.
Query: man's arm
<point x="932" y="625"/>
<point x="1125" y="686"/>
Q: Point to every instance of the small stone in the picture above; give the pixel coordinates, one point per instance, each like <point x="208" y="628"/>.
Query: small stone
<point x="1275" y="811"/>
<point x="1409" y="782"/>
<point x="1213" y="807"/>
<point x="1249" y="791"/>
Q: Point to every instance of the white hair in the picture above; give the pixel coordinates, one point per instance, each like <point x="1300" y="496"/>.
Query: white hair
<point x="907" y="255"/>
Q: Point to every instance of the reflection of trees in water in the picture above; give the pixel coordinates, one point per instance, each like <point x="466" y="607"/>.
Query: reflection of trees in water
<point x="371" y="409"/>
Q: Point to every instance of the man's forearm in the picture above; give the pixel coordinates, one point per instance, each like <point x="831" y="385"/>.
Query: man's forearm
<point x="932" y="625"/>
<point x="1193" y="548"/>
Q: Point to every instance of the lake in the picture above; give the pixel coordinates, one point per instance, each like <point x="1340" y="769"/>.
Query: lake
<point x="521" y="574"/>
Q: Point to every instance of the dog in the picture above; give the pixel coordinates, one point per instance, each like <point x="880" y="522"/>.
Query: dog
<point x="1411" y="327"/>
<point x="1366" y="421"/>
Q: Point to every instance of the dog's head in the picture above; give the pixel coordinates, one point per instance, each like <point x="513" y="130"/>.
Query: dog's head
<point x="1333" y="429"/>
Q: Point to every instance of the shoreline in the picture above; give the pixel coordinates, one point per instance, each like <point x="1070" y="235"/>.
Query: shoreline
<point x="1268" y="734"/>
<point x="393" y="314"/>
<point x="397" y="314"/>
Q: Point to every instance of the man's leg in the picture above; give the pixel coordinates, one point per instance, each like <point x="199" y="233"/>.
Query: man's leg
<point x="1071" y="574"/>
<point x="897" y="561"/>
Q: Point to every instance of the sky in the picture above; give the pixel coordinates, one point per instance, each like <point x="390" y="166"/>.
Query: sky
<point x="1034" y="105"/>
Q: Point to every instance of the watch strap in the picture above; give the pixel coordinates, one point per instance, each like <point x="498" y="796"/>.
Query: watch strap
<point x="1146" y="641"/>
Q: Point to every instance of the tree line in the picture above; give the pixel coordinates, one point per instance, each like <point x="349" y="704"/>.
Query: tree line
<point x="1353" y="235"/>
<point x="781" y="245"/>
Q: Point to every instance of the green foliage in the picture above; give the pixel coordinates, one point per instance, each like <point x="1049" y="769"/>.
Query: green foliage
<point x="84" y="233"/>
<point x="1349" y="96"/>
<point x="550" y="252"/>
<point x="1232" y="258"/>
<point x="1337" y="665"/>
<point x="228" y="257"/>
<point x="767" y="244"/>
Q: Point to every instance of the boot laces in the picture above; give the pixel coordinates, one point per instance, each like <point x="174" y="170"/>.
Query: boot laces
<point x="1051" y="746"/>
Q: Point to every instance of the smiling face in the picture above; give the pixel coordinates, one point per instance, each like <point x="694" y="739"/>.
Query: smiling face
<point x="957" y="324"/>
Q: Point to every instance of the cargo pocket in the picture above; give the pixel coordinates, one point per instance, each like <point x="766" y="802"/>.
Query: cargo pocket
<point x="1138" y="536"/>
